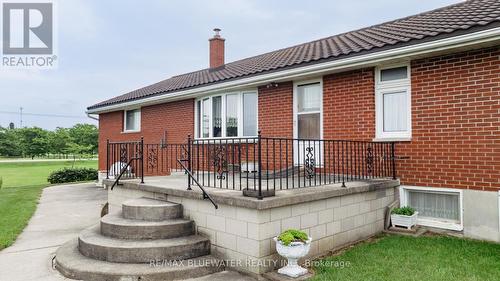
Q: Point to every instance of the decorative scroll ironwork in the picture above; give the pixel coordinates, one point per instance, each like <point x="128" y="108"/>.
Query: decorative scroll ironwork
<point x="183" y="151"/>
<point x="123" y="153"/>
<point x="152" y="157"/>
<point x="138" y="150"/>
<point x="220" y="161"/>
<point x="369" y="159"/>
<point x="310" y="163"/>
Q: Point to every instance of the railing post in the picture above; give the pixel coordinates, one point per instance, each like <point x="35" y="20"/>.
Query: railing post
<point x="142" y="159"/>
<point x="393" y="160"/>
<point x="189" y="160"/>
<point x="259" y="154"/>
<point x="107" y="159"/>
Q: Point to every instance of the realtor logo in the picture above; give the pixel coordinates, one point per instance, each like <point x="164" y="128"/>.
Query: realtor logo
<point x="28" y="35"/>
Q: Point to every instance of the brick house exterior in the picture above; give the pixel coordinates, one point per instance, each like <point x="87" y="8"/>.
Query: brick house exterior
<point x="455" y="123"/>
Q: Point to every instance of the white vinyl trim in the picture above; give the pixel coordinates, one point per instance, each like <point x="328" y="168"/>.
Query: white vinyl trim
<point x="295" y="105"/>
<point x="499" y="210"/>
<point x="387" y="87"/>
<point x="297" y="146"/>
<point x="430" y="222"/>
<point x="319" y="69"/>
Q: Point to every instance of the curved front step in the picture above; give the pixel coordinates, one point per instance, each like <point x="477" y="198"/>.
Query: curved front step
<point x="94" y="245"/>
<point x="118" y="227"/>
<point x="150" y="209"/>
<point x="72" y="264"/>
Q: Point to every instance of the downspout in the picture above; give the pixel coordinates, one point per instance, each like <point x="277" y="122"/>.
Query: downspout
<point x="92" y="117"/>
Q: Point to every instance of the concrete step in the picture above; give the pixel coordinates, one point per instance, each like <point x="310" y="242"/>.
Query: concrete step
<point x="94" y="245"/>
<point x="150" y="209"/>
<point x="72" y="264"/>
<point x="113" y="225"/>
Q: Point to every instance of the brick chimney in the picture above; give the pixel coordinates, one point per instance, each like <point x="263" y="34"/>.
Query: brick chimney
<point x="216" y="49"/>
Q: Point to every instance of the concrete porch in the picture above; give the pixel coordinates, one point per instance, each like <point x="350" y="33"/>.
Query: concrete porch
<point x="241" y="230"/>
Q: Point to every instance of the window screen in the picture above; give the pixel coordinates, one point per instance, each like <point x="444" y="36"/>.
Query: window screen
<point x="435" y="205"/>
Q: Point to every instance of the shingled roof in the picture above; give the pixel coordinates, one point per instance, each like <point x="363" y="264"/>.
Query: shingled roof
<point x="447" y="21"/>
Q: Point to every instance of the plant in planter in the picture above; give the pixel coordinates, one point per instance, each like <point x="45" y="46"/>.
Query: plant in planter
<point x="293" y="244"/>
<point x="404" y="216"/>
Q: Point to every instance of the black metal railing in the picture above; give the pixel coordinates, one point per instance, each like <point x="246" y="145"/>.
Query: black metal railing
<point x="260" y="165"/>
<point x="124" y="160"/>
<point x="193" y="179"/>
<point x="161" y="159"/>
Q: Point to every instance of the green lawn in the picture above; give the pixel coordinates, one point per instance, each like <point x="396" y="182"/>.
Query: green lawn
<point x="22" y="186"/>
<point x="429" y="258"/>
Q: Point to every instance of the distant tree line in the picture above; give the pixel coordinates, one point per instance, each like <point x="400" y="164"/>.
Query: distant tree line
<point x="80" y="139"/>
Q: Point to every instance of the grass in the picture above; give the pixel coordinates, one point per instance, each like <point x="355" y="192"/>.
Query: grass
<point x="22" y="185"/>
<point x="429" y="258"/>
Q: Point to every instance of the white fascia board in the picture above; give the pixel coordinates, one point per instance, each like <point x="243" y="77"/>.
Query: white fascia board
<point x="479" y="37"/>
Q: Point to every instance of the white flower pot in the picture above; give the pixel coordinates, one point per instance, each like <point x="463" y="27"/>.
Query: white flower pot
<point x="404" y="221"/>
<point x="293" y="253"/>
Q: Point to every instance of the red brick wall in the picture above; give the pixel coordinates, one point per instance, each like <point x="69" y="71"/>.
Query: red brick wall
<point x="177" y="118"/>
<point x="276" y="110"/>
<point x="349" y="105"/>
<point x="456" y="122"/>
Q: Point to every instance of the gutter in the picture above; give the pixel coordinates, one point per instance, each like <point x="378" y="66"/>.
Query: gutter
<point x="465" y="40"/>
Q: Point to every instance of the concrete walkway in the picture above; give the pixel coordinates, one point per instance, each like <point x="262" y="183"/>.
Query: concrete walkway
<point x="62" y="213"/>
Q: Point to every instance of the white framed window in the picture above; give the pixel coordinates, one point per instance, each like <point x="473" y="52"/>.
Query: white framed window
<point x="436" y="207"/>
<point x="393" y="102"/>
<point x="132" y="120"/>
<point x="227" y="115"/>
<point x="308" y="107"/>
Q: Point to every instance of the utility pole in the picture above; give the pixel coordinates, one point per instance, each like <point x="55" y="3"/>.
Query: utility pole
<point x="21" y="116"/>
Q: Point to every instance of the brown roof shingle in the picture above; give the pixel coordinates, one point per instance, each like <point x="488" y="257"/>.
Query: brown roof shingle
<point x="409" y="30"/>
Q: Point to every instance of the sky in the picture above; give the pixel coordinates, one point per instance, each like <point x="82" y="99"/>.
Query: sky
<point x="108" y="48"/>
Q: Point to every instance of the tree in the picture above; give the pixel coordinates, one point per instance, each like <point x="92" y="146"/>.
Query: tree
<point x="33" y="141"/>
<point x="59" y="141"/>
<point x="85" y="135"/>
<point x="9" y="144"/>
<point x="78" y="140"/>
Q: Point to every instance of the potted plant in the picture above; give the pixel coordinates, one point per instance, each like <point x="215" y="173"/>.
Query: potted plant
<point x="404" y="216"/>
<point x="293" y="244"/>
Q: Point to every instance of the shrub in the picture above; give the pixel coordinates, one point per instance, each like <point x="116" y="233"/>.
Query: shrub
<point x="406" y="211"/>
<point x="72" y="175"/>
<point x="292" y="235"/>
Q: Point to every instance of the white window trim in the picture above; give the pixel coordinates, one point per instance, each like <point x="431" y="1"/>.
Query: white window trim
<point x="296" y="84"/>
<point x="403" y="195"/>
<point x="125" y="121"/>
<point x="383" y="87"/>
<point x="223" y="115"/>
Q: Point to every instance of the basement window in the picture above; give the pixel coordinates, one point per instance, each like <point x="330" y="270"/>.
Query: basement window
<point x="436" y="207"/>
<point x="132" y="120"/>
<point x="227" y="115"/>
<point x="393" y="102"/>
